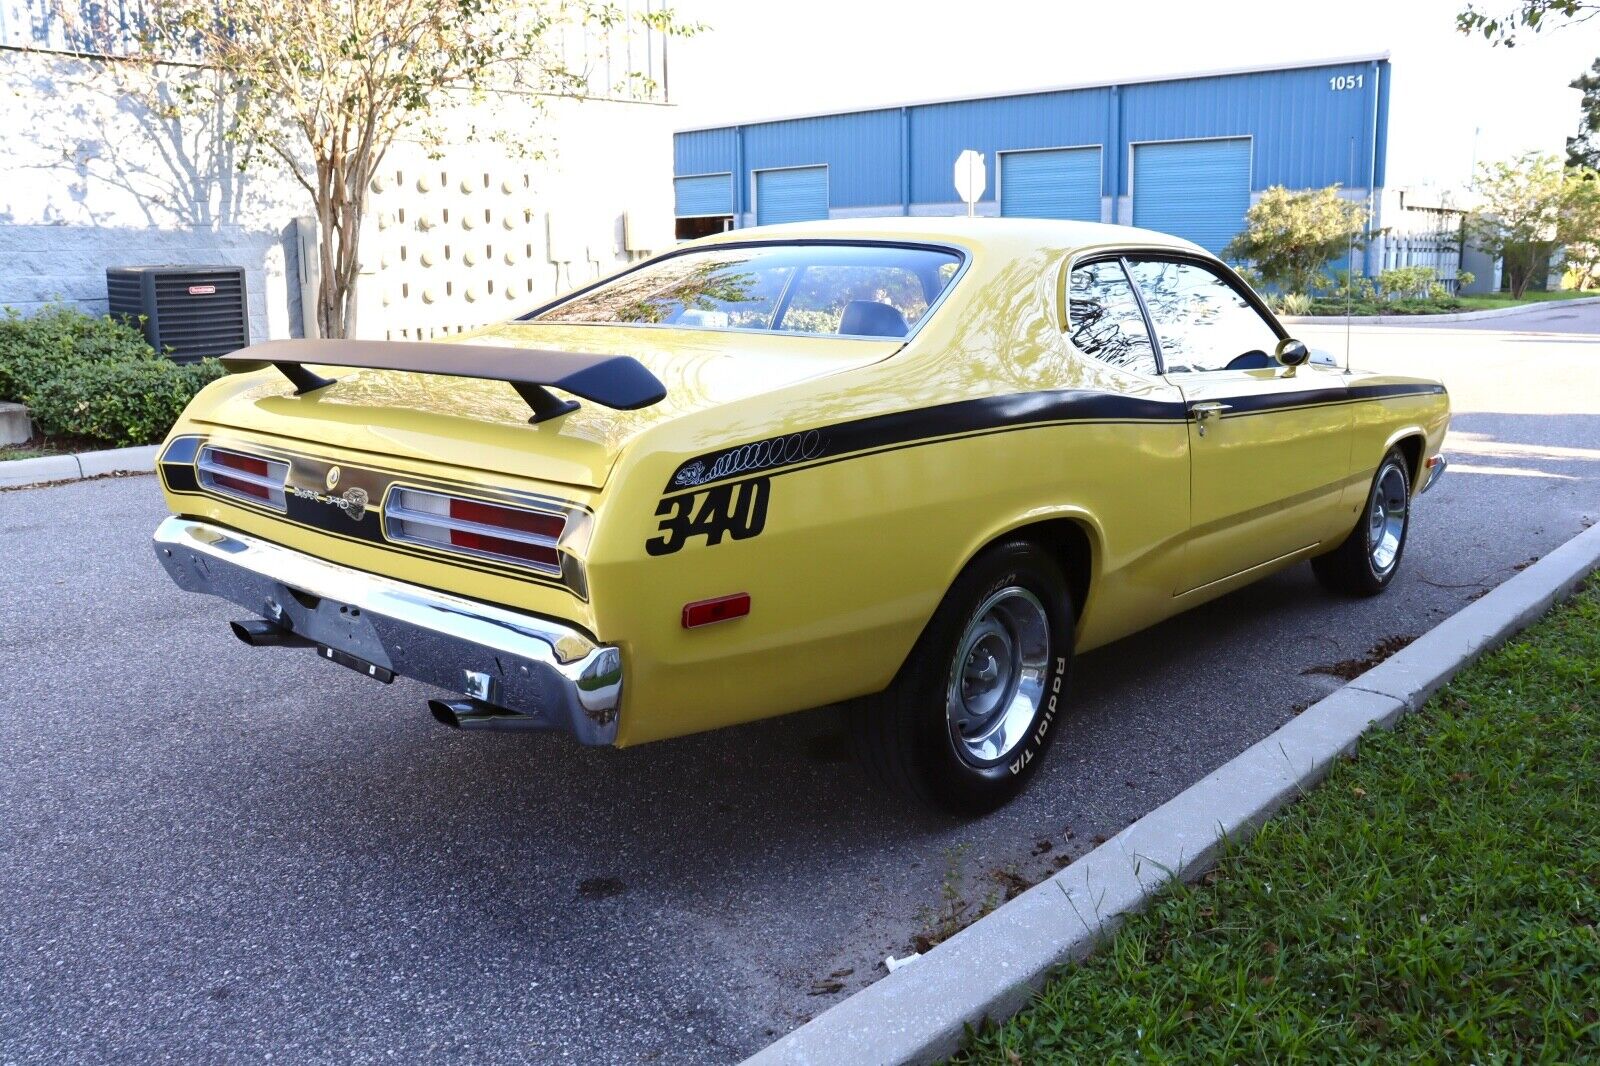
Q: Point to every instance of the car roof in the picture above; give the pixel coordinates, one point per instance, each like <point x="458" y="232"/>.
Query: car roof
<point x="975" y="233"/>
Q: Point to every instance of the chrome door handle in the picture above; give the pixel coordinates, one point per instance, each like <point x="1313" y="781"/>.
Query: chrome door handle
<point x="1203" y="411"/>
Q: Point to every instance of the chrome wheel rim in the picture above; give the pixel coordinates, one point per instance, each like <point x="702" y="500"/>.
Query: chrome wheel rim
<point x="1386" y="519"/>
<point x="998" y="676"/>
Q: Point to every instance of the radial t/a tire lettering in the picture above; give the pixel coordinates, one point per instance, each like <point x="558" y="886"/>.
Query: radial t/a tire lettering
<point x="968" y="719"/>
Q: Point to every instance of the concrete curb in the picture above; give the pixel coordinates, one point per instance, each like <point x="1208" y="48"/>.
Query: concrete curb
<point x="1455" y="316"/>
<point x="992" y="968"/>
<point x="16" y="473"/>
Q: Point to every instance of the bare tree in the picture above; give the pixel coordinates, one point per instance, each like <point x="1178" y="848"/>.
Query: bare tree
<point x="324" y="88"/>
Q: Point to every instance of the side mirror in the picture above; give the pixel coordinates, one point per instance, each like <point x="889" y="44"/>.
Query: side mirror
<point x="1292" y="353"/>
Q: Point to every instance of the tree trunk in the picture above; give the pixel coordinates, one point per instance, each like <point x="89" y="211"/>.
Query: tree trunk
<point x="1518" y="275"/>
<point x="339" y="243"/>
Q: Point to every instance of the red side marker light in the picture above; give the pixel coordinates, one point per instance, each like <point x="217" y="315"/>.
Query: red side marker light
<point x="704" y="612"/>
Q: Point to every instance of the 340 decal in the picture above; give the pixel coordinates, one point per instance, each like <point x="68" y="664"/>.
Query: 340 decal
<point x="738" y="510"/>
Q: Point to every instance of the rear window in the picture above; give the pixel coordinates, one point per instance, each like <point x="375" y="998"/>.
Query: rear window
<point x="835" y="289"/>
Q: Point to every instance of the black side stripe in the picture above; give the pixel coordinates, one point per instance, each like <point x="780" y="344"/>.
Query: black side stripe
<point x="989" y="414"/>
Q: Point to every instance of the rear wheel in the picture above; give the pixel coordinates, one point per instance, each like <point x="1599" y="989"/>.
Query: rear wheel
<point x="1365" y="563"/>
<point x="967" y="721"/>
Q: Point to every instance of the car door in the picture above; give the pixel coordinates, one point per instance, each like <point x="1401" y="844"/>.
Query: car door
<point x="1268" y="445"/>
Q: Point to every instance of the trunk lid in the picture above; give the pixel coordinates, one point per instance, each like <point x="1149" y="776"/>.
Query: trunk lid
<point x="483" y="424"/>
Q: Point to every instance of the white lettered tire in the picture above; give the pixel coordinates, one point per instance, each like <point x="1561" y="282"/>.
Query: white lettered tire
<point x="968" y="719"/>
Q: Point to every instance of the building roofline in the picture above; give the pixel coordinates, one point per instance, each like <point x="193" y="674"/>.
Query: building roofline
<point x="1267" y="68"/>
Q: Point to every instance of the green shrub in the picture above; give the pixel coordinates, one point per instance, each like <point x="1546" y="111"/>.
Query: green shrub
<point x="33" y="348"/>
<point x="1365" y="291"/>
<point x="1290" y="236"/>
<point x="93" y="378"/>
<point x="119" y="401"/>
<point x="1405" y="283"/>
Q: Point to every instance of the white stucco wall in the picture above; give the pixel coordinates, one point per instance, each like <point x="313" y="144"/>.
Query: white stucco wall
<point x="89" y="180"/>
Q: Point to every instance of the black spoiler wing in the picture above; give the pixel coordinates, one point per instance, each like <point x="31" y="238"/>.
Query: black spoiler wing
<point x="616" y="381"/>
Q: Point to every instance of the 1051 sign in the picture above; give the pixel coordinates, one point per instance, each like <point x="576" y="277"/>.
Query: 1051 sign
<point x="1345" y="82"/>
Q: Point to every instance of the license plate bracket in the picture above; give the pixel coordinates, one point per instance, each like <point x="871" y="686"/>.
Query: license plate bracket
<point x="356" y="663"/>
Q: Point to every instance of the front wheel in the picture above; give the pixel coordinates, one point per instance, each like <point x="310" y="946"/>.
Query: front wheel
<point x="1365" y="563"/>
<point x="967" y="721"/>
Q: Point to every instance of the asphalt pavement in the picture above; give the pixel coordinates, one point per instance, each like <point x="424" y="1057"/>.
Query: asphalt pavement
<point x="213" y="853"/>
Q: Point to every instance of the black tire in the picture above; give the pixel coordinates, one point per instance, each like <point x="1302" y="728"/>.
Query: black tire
<point x="905" y="735"/>
<point x="1354" y="567"/>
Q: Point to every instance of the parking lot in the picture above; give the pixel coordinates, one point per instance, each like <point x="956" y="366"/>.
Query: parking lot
<point x="213" y="853"/>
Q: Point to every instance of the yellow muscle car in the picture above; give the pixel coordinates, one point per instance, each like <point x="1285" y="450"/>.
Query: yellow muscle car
<point x="909" y="465"/>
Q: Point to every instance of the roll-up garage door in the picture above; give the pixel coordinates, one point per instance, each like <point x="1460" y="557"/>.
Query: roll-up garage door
<point x="702" y="195"/>
<point x="796" y="194"/>
<point x="1051" y="183"/>
<point x="1198" y="190"/>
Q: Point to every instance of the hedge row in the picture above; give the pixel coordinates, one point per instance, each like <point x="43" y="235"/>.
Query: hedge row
<point x="94" y="378"/>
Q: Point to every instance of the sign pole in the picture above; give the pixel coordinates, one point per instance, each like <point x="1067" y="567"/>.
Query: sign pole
<point x="971" y="177"/>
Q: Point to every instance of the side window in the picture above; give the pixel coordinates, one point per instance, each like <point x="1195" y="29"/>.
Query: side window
<point x="1104" y="320"/>
<point x="1202" y="322"/>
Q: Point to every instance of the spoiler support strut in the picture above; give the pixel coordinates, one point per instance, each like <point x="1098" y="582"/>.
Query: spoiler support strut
<point x="545" y="403"/>
<point x="616" y="381"/>
<point x="304" y="380"/>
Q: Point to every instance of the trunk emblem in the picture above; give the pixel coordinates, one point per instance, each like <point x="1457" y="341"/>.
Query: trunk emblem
<point x="353" y="503"/>
<point x="333" y="478"/>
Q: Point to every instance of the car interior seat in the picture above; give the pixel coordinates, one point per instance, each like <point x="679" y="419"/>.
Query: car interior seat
<point x="868" y="318"/>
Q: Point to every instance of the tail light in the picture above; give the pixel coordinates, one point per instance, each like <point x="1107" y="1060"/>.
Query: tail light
<point x="244" y="476"/>
<point x="472" y="527"/>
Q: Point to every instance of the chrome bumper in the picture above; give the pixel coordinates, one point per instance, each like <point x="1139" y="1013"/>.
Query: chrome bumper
<point x="559" y="678"/>
<point x="1434" y="473"/>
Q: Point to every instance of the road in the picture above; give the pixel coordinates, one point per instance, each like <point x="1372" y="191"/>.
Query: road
<point x="212" y="853"/>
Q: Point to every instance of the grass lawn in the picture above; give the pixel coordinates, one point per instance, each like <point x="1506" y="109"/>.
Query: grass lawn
<point x="41" y="446"/>
<point x="1435" y="900"/>
<point x="1503" y="299"/>
<point x="1328" y="306"/>
<point x="22" y="451"/>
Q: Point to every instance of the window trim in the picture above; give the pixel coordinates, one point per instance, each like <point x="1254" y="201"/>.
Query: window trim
<point x="962" y="254"/>
<point x="1217" y="267"/>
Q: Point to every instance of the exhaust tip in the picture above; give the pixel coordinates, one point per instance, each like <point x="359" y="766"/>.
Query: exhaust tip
<point x="471" y="714"/>
<point x="444" y="713"/>
<point x="260" y="633"/>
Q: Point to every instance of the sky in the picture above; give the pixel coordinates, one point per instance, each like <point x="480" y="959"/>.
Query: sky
<point x="1454" y="99"/>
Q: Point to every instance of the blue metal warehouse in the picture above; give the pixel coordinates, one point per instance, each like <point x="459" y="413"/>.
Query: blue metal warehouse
<point x="1183" y="154"/>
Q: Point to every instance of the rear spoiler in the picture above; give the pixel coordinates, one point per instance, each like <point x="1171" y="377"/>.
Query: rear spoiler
<point x="616" y="381"/>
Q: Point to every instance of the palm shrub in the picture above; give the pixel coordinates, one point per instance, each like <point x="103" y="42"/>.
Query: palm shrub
<point x="1294" y="303"/>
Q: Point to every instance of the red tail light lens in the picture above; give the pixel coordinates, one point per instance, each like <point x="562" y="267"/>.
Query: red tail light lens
<point x="244" y="463"/>
<point x="487" y="514"/>
<point x="251" y="477"/>
<point x="495" y="531"/>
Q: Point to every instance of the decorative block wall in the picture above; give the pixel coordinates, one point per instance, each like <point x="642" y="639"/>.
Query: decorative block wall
<point x="482" y="236"/>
